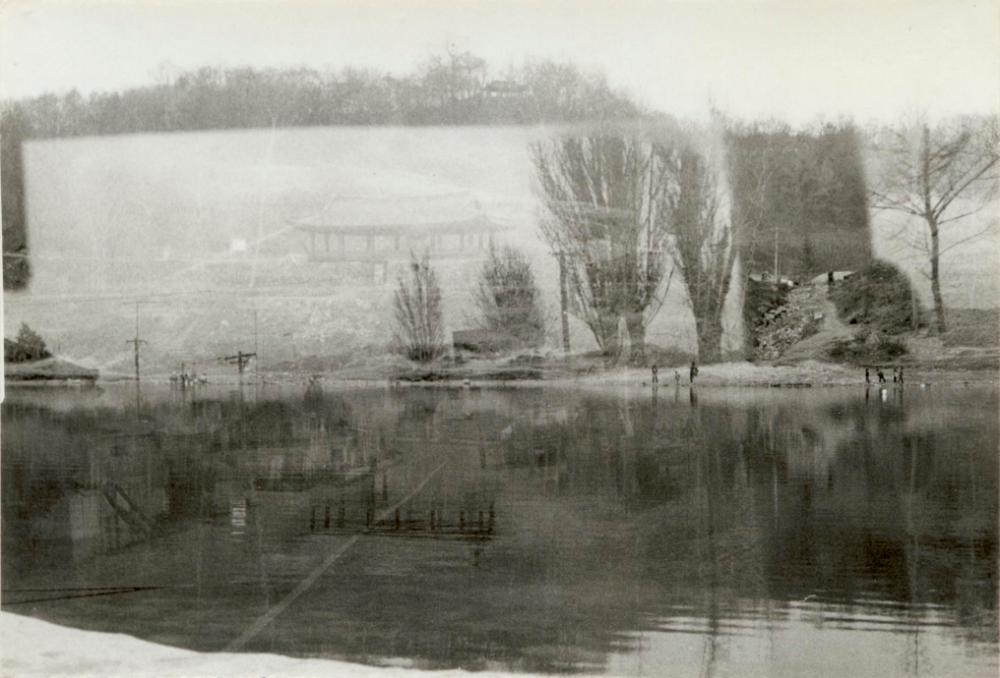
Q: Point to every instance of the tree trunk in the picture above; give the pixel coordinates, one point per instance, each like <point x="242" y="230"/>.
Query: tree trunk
<point x="709" y="331"/>
<point x="608" y="332"/>
<point x="563" y="303"/>
<point x="636" y="324"/>
<point x="936" y="278"/>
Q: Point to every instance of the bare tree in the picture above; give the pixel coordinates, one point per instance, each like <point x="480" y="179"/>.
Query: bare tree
<point x="508" y="299"/>
<point x="603" y="194"/>
<point x="940" y="174"/>
<point x="701" y="244"/>
<point x="417" y="304"/>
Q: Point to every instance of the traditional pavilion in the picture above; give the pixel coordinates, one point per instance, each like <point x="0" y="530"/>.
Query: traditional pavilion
<point x="380" y="230"/>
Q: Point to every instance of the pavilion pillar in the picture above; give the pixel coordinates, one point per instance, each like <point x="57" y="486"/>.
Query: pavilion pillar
<point x="369" y="243"/>
<point x="340" y="243"/>
<point x="326" y="239"/>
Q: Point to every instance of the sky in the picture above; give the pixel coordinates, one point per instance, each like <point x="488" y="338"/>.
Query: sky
<point x="801" y="61"/>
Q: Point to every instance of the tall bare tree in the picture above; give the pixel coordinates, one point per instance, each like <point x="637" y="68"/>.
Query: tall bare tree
<point x="941" y="175"/>
<point x="701" y="240"/>
<point x="417" y="305"/>
<point x="603" y="194"/>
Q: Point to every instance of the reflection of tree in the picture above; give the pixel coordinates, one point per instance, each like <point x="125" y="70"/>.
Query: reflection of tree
<point x="659" y="506"/>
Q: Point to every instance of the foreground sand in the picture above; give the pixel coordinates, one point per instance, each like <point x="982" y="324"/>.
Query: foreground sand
<point x="30" y="647"/>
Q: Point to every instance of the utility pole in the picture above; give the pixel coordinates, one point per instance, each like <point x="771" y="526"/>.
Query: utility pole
<point x="256" y="373"/>
<point x="240" y="359"/>
<point x="136" y="341"/>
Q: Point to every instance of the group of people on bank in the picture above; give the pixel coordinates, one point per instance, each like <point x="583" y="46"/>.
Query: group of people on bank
<point x="897" y="375"/>
<point x="880" y="377"/>
<point x="692" y="373"/>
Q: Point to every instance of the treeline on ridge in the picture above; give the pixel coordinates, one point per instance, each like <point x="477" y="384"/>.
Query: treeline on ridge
<point x="450" y="89"/>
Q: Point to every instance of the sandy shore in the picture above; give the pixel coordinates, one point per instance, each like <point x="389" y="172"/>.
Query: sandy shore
<point x="30" y="647"/>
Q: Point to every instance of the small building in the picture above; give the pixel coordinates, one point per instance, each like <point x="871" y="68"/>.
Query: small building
<point x="831" y="277"/>
<point x="504" y="89"/>
<point x="381" y="229"/>
<point x="766" y="277"/>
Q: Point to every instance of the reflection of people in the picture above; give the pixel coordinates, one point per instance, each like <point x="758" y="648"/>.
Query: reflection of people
<point x="314" y="391"/>
<point x="694" y="371"/>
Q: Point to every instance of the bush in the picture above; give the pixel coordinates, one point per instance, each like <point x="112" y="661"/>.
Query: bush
<point x="419" y="324"/>
<point x="879" y="298"/>
<point x="508" y="300"/>
<point x="867" y="347"/>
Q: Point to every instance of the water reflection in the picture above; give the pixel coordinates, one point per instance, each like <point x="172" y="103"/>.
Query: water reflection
<point x="532" y="529"/>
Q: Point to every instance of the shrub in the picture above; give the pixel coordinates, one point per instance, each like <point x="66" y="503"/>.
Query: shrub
<point x="879" y="297"/>
<point x="508" y="300"/>
<point x="419" y="325"/>
<point x="867" y="348"/>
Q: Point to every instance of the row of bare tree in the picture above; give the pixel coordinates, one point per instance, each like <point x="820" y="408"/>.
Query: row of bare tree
<point x="626" y="215"/>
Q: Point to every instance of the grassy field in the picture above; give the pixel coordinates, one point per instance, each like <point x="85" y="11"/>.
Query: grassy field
<point x="978" y="327"/>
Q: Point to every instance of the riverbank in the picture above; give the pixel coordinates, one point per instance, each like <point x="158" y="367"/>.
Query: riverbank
<point x="590" y="371"/>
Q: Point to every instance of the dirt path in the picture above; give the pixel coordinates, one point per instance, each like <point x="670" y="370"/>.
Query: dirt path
<point x="815" y="347"/>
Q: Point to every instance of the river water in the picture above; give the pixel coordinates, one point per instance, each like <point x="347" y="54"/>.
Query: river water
<point x="772" y="532"/>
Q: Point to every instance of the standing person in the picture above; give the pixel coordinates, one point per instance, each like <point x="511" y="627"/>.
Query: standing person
<point x="694" y="371"/>
<point x="900" y="374"/>
<point x="677" y="378"/>
<point x="895" y="374"/>
<point x="868" y="376"/>
<point x="881" y="376"/>
<point x="656" y="375"/>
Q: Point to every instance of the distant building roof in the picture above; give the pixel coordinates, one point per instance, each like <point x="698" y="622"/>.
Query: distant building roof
<point x="505" y="87"/>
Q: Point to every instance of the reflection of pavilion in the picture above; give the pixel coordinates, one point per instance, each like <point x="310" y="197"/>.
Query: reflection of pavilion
<point x="380" y="230"/>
